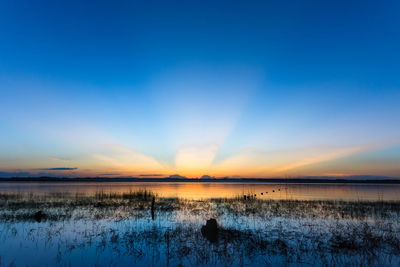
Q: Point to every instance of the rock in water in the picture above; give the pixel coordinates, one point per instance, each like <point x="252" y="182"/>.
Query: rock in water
<point x="39" y="216"/>
<point x="210" y="230"/>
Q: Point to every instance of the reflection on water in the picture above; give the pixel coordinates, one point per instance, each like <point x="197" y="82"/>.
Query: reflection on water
<point x="120" y="229"/>
<point x="372" y="192"/>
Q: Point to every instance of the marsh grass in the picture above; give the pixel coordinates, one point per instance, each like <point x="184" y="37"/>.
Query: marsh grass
<point x="311" y="208"/>
<point x="252" y="231"/>
<point x="109" y="205"/>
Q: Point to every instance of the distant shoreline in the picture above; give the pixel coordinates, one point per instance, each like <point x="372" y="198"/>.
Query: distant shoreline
<point x="194" y="180"/>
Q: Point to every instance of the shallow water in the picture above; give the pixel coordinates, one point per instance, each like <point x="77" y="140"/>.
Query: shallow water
<point x="312" y="191"/>
<point x="289" y="227"/>
<point x="254" y="232"/>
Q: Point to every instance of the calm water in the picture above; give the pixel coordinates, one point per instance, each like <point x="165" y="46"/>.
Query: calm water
<point x="370" y="192"/>
<point x="251" y="233"/>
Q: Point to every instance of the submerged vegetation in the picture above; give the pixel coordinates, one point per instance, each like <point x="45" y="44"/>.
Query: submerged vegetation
<point x="141" y="228"/>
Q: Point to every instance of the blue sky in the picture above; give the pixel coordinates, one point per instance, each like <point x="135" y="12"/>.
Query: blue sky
<point x="261" y="89"/>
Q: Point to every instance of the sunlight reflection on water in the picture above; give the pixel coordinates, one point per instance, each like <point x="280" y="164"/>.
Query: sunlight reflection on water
<point x="372" y="192"/>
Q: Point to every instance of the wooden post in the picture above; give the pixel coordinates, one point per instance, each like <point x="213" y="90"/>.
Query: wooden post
<point x="152" y="207"/>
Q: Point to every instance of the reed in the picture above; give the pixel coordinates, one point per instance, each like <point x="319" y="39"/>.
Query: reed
<point x="140" y="224"/>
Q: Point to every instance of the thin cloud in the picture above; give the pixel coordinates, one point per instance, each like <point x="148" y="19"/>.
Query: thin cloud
<point x="119" y="158"/>
<point x="59" y="159"/>
<point x="58" y="169"/>
<point x="149" y="175"/>
<point x="258" y="163"/>
<point x="14" y="174"/>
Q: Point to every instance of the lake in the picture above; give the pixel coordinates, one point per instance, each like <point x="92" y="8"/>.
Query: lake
<point x="301" y="191"/>
<point x="165" y="224"/>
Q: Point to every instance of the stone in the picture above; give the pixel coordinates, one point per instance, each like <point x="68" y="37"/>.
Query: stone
<point x="210" y="230"/>
<point x="39" y="216"/>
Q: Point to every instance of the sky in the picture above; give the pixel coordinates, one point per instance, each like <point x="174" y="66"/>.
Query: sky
<point x="219" y="88"/>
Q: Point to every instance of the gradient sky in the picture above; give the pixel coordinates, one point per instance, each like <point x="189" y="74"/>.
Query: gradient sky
<point x="224" y="88"/>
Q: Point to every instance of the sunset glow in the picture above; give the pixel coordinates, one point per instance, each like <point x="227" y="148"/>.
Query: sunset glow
<point x="249" y="95"/>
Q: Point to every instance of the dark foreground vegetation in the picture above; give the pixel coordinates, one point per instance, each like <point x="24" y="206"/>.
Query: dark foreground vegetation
<point x="143" y="229"/>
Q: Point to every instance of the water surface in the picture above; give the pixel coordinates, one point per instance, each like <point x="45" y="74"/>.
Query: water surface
<point x="303" y="191"/>
<point x="293" y="226"/>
